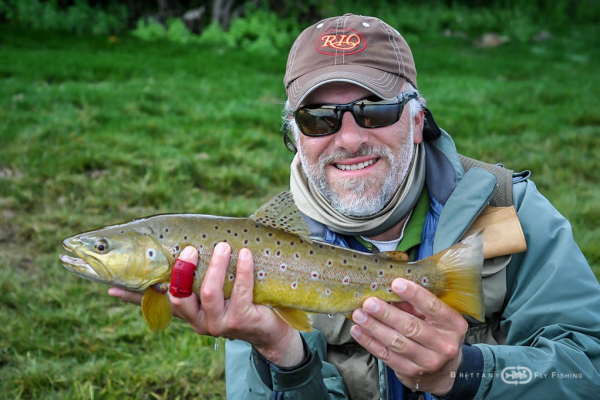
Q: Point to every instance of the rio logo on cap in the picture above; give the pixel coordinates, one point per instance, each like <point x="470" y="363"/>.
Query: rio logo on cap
<point x="347" y="41"/>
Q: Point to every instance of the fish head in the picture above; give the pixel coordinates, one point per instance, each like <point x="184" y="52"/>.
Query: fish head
<point x="131" y="259"/>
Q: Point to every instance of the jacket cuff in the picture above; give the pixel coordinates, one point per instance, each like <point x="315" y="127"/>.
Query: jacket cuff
<point x="280" y="379"/>
<point x="468" y="376"/>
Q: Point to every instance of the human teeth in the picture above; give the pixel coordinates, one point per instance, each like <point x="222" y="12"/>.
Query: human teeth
<point x="353" y="167"/>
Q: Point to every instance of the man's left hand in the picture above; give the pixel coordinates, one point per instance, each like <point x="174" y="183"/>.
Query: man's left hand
<point x="420" y="338"/>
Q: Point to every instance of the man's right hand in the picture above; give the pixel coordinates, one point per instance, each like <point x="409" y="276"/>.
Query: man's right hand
<point x="237" y="317"/>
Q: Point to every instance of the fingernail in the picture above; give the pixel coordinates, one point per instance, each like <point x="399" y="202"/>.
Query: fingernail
<point x="187" y="253"/>
<point x="399" y="285"/>
<point x="244" y="254"/>
<point x="355" y="332"/>
<point x="371" y="305"/>
<point x="359" y="316"/>
<point x="221" y="248"/>
<point x="116" y="292"/>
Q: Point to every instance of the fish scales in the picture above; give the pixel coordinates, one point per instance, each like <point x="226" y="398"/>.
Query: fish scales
<point x="291" y="271"/>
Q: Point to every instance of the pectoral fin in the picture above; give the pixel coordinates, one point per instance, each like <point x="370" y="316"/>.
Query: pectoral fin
<point x="295" y="318"/>
<point x="395" y="256"/>
<point x="156" y="309"/>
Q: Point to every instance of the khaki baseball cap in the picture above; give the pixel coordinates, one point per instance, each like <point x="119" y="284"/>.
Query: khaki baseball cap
<point x="352" y="48"/>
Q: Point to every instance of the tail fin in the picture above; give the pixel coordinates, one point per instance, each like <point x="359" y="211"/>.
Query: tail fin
<point x="461" y="264"/>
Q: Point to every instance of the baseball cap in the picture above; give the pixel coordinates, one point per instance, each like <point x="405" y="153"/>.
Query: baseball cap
<point x="352" y="48"/>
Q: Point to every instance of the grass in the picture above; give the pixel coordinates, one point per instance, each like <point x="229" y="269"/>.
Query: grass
<point x="95" y="132"/>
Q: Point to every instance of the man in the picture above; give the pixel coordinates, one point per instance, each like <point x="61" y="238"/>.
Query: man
<point x="374" y="172"/>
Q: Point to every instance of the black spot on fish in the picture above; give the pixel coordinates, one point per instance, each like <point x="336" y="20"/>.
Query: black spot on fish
<point x="258" y="239"/>
<point x="291" y="243"/>
<point x="185" y="237"/>
<point x="270" y="234"/>
<point x="278" y="243"/>
<point x="204" y="236"/>
<point x="278" y="252"/>
<point x="320" y="246"/>
<point x="122" y="231"/>
<point x="160" y="236"/>
<point x="353" y="255"/>
<point x="228" y="230"/>
<point x="151" y="253"/>
<point x="245" y="230"/>
<point x="364" y="267"/>
<point x="235" y="234"/>
<point x="166" y="229"/>
<point x="245" y="241"/>
<point x="297" y="255"/>
<point x="408" y="271"/>
<point x="311" y="252"/>
<point x="216" y="227"/>
<point x="176" y="248"/>
<point x="345" y="261"/>
<point x="376" y="261"/>
<point x="391" y="266"/>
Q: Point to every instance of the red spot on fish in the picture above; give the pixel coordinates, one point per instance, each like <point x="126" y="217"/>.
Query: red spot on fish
<point x="390" y="291"/>
<point x="330" y="263"/>
<point x="294" y="285"/>
<point x="346" y="280"/>
<point x="283" y="267"/>
<point x="373" y="286"/>
<point x="380" y="272"/>
<point x="327" y="292"/>
<point x="425" y="281"/>
<point x="314" y="275"/>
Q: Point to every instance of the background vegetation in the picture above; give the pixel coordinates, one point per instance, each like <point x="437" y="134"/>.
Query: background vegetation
<point x="106" y="126"/>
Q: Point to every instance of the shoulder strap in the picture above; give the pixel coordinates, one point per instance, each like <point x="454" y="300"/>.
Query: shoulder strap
<point x="502" y="195"/>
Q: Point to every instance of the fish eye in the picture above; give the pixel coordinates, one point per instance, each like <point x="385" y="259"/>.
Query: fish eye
<point x="101" y="246"/>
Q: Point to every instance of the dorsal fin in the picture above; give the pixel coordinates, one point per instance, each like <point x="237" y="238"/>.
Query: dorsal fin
<point x="281" y="213"/>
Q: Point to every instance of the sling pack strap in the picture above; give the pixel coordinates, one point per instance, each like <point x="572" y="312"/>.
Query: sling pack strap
<point x="502" y="195"/>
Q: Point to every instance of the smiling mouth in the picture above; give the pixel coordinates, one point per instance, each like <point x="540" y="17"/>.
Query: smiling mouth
<point x="354" y="167"/>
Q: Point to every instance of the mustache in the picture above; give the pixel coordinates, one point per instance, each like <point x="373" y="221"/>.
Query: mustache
<point x="341" y="154"/>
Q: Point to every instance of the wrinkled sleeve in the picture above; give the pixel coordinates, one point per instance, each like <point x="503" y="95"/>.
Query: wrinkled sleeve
<point x="551" y="316"/>
<point x="247" y="376"/>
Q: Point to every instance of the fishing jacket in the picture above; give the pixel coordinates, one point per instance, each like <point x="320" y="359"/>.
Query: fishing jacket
<point x="541" y="335"/>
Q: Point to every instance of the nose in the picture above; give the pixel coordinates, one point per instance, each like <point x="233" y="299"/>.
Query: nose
<point x="350" y="136"/>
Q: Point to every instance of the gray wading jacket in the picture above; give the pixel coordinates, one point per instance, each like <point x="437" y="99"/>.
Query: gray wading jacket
<point x="542" y="310"/>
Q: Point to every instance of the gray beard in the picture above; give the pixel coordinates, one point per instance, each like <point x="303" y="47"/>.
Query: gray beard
<point x="362" y="204"/>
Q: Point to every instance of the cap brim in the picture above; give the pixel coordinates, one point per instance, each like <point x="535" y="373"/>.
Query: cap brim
<point x="383" y="84"/>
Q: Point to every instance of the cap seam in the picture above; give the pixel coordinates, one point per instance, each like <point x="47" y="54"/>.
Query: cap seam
<point x="401" y="69"/>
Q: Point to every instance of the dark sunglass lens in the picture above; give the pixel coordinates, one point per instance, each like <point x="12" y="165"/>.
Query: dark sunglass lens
<point x="374" y="115"/>
<point x="317" y="121"/>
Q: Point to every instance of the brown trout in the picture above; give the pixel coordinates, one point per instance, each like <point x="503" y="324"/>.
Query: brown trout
<point x="294" y="274"/>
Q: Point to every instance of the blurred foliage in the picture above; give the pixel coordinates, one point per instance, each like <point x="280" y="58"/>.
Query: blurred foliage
<point x="270" y="22"/>
<point x="260" y="31"/>
<point x="79" y="17"/>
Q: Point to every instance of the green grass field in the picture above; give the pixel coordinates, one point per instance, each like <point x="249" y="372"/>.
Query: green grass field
<point x="94" y="132"/>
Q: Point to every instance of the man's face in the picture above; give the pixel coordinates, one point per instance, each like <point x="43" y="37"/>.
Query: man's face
<point x="358" y="170"/>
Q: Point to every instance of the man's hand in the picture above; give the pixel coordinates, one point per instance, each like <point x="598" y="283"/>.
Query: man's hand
<point x="420" y="338"/>
<point x="234" y="318"/>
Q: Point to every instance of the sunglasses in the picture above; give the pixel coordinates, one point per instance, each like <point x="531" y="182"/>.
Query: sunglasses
<point x="371" y="112"/>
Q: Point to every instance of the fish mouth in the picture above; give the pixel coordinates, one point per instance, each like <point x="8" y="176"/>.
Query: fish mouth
<point x="80" y="267"/>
